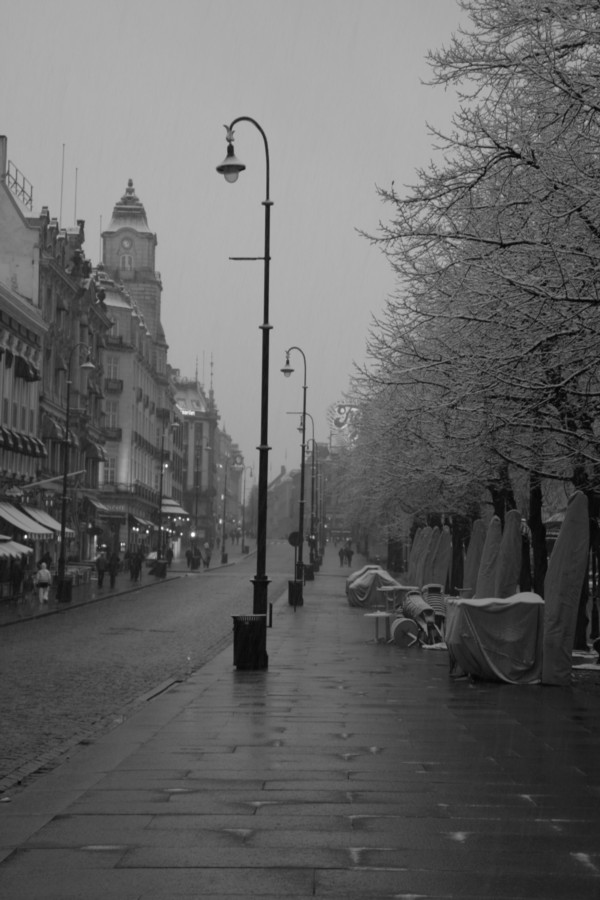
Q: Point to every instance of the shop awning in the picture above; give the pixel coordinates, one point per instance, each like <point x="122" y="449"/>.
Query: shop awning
<point x="13" y="549"/>
<point x="172" y="508"/>
<point x="100" y="507"/>
<point x="44" y="518"/>
<point x="95" y="451"/>
<point x="24" y="523"/>
<point x="141" y="523"/>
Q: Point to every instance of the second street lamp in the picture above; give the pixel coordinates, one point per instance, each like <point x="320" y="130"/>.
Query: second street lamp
<point x="297" y="598"/>
<point x="256" y="657"/>
<point x="224" y="556"/>
<point x="63" y="589"/>
<point x="245" y="549"/>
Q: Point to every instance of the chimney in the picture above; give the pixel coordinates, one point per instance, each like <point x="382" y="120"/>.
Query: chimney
<point x="3" y="156"/>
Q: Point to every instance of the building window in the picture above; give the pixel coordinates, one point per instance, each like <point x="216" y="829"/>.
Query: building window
<point x="112" y="366"/>
<point x="110" y="467"/>
<point x="126" y="261"/>
<point x="112" y="413"/>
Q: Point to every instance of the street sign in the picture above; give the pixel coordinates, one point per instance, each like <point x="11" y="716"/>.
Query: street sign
<point x="294" y="539"/>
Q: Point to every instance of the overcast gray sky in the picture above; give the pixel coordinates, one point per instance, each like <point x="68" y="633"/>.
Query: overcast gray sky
<point x="141" y="89"/>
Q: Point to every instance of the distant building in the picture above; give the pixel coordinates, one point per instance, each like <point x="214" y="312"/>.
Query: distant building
<point x="52" y="320"/>
<point x="143" y="440"/>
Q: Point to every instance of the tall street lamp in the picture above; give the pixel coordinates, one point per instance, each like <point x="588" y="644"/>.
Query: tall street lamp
<point x="314" y="558"/>
<point x="230" y="168"/>
<point x="244" y="548"/>
<point x="63" y="585"/>
<point x="160" y="546"/>
<point x="315" y="562"/>
<point x="223" y="525"/>
<point x="287" y="371"/>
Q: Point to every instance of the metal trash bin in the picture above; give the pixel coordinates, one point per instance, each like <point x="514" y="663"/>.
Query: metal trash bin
<point x="295" y="597"/>
<point x="309" y="572"/>
<point x="64" y="588"/>
<point x="250" y="642"/>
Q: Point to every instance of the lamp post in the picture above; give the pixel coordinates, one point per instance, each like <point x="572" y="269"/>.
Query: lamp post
<point x="159" y="548"/>
<point x="63" y="585"/>
<point x="315" y="562"/>
<point x="160" y="496"/>
<point x="197" y="471"/>
<point x="287" y="371"/>
<point x="314" y="558"/>
<point x="223" y="528"/>
<point x="246" y="469"/>
<point x="230" y="168"/>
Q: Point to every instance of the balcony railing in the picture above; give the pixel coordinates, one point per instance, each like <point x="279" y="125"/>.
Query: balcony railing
<point x="113" y="385"/>
<point x="19" y="185"/>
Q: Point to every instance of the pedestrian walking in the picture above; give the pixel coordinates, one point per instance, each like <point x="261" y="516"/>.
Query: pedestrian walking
<point x="188" y="557"/>
<point x="113" y="568"/>
<point x="206" y="555"/>
<point x="342" y="555"/>
<point x="43" y="582"/>
<point x="101" y="566"/>
<point x="169" y="556"/>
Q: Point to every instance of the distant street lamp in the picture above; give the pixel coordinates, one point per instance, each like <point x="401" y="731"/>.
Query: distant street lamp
<point x="160" y="547"/>
<point x="230" y="168"/>
<point x="315" y="561"/>
<point x="63" y="584"/>
<point x="223" y="527"/>
<point x="244" y="548"/>
<point x="287" y="371"/>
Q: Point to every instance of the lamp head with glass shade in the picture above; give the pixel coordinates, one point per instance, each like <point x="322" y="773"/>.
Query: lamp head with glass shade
<point x="88" y="365"/>
<point x="231" y="167"/>
<point x="287" y="369"/>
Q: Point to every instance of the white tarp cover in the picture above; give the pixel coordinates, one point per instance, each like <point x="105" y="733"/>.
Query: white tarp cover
<point x="562" y="588"/>
<point x="486" y="576"/>
<point x="473" y="557"/>
<point x="497" y="639"/>
<point x="443" y="557"/>
<point x="413" y="556"/>
<point x="361" y="586"/>
<point x="427" y="576"/>
<point x="508" y="565"/>
<point x="422" y="557"/>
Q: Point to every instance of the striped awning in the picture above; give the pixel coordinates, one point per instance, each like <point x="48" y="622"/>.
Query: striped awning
<point x="46" y="519"/>
<point x="172" y="508"/>
<point x="24" y="523"/>
<point x="13" y="549"/>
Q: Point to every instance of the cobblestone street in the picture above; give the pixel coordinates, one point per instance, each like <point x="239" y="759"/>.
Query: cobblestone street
<point x="81" y="671"/>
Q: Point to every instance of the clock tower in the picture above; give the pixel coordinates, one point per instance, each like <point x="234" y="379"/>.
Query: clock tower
<point x="128" y="255"/>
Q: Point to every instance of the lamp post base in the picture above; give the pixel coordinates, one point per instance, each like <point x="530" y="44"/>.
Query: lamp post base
<point x="261" y="585"/>
<point x="295" y="597"/>
<point x="64" y="588"/>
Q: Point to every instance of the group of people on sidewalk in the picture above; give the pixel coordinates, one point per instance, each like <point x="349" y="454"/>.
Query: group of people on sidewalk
<point x="110" y="564"/>
<point x="194" y="557"/>
<point x="345" y="554"/>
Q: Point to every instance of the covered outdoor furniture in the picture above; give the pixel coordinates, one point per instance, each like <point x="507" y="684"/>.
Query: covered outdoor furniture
<point x="362" y="587"/>
<point x="405" y="632"/>
<point x="496" y="639"/>
<point x="416" y="608"/>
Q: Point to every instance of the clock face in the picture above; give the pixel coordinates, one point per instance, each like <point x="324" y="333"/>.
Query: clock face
<point x="126" y="243"/>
